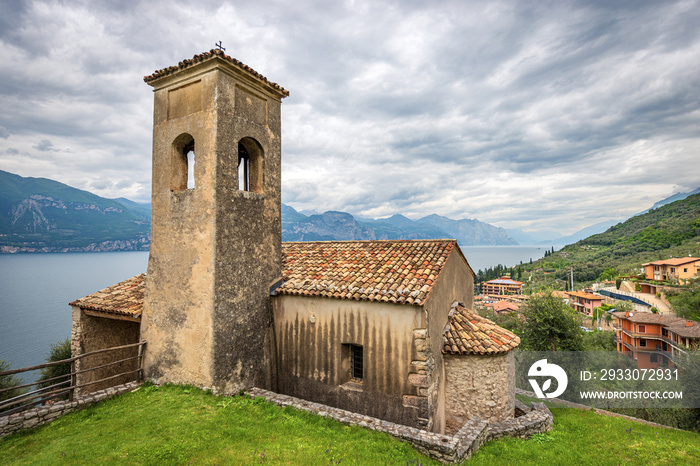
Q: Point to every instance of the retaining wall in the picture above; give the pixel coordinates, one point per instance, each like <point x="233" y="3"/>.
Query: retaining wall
<point x="445" y="448"/>
<point x="45" y="414"/>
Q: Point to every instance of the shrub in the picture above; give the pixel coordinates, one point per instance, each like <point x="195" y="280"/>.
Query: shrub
<point x="8" y="381"/>
<point x="59" y="352"/>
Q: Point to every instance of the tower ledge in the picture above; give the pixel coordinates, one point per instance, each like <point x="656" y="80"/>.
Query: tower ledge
<point x="213" y="55"/>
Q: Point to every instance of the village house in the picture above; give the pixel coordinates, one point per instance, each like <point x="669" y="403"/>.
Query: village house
<point x="584" y="302"/>
<point x="654" y="340"/>
<point x="383" y="328"/>
<point x="502" y="286"/>
<point x="675" y="269"/>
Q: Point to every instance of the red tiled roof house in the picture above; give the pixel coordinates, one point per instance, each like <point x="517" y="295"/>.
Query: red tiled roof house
<point x="584" y="302"/>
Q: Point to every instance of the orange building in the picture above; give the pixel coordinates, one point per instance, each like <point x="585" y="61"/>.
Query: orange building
<point x="584" y="302"/>
<point x="501" y="286"/>
<point x="654" y="340"/>
<point x="679" y="269"/>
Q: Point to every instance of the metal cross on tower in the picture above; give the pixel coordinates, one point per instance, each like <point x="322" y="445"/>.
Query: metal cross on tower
<point x="220" y="47"/>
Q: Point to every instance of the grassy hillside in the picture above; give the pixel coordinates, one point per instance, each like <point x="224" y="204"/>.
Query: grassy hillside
<point x="670" y="230"/>
<point x="183" y="425"/>
<point x="37" y="214"/>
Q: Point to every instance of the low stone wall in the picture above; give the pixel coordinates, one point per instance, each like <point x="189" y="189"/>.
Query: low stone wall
<point x="448" y="449"/>
<point x="45" y="414"/>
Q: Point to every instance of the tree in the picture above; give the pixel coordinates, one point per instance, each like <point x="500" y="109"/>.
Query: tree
<point x="59" y="352"/>
<point x="597" y="313"/>
<point x="550" y="325"/>
<point x="686" y="303"/>
<point x="607" y="274"/>
<point x="8" y="381"/>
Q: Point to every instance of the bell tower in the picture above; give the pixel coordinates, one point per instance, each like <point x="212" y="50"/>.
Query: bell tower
<point x="216" y="225"/>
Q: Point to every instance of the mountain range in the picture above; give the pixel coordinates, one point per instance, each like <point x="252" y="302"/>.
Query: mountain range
<point x="42" y="215"/>
<point x="330" y="226"/>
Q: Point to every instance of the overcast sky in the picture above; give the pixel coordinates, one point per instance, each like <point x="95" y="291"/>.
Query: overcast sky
<point x="523" y="114"/>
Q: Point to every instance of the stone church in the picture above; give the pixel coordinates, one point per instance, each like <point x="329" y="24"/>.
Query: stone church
<point x="383" y="328"/>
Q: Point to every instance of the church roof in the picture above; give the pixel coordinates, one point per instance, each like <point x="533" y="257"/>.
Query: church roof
<point x="393" y="271"/>
<point x="208" y="56"/>
<point x="124" y="298"/>
<point x="469" y="333"/>
<point x="401" y="272"/>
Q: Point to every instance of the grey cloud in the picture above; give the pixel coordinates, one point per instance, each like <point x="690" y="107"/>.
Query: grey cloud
<point x="45" y="145"/>
<point x="485" y="109"/>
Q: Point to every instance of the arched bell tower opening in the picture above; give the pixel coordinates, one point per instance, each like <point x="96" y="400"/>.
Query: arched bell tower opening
<point x="182" y="163"/>
<point x="250" y="165"/>
<point x="215" y="249"/>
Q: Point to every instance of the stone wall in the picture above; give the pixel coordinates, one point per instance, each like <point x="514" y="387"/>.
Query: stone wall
<point x="455" y="283"/>
<point x="423" y="382"/>
<point x="90" y="333"/>
<point x="479" y="386"/>
<point x="45" y="414"/>
<point x="444" y="448"/>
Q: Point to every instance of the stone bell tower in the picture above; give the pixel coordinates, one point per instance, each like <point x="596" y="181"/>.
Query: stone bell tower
<point x="216" y="226"/>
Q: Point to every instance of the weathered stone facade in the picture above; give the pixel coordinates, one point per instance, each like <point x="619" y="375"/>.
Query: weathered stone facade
<point x="311" y="336"/>
<point x="91" y="333"/>
<point x="216" y="245"/>
<point x="480" y="386"/>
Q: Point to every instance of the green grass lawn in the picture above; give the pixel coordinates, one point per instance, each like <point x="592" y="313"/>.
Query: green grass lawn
<point x="184" y="425"/>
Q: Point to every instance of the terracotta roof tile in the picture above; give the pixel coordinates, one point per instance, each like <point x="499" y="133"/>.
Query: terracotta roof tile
<point x="583" y="294"/>
<point x="504" y="281"/>
<point x="674" y="261"/>
<point x="650" y="318"/>
<point x="681" y="327"/>
<point x="208" y="56"/>
<point x="386" y="271"/>
<point x="381" y="271"/>
<point x="125" y="298"/>
<point x="469" y="333"/>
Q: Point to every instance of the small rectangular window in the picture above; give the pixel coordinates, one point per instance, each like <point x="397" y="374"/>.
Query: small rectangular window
<point x="653" y="357"/>
<point x="642" y="329"/>
<point x="356" y="362"/>
<point x="643" y="343"/>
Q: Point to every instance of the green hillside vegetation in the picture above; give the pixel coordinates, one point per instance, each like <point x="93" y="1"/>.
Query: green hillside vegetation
<point x="670" y="230"/>
<point x="45" y="215"/>
<point x="183" y="425"/>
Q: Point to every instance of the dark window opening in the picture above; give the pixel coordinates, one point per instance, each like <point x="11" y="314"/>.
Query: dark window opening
<point x="642" y="343"/>
<point x="356" y="362"/>
<point x="243" y="168"/>
<point x="653" y="357"/>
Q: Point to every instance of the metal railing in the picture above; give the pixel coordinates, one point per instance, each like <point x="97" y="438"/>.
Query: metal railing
<point x="65" y="384"/>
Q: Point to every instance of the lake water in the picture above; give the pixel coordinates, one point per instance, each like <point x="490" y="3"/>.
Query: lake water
<point x="35" y="290"/>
